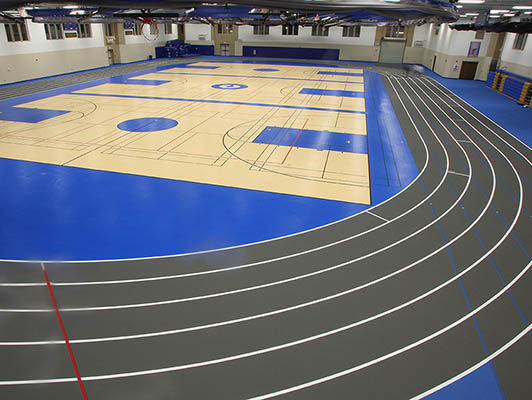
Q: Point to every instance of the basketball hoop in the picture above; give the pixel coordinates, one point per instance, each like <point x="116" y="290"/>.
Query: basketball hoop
<point x="153" y="30"/>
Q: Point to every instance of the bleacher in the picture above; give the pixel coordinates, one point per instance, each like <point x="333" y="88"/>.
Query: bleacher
<point x="176" y="48"/>
<point x="516" y="87"/>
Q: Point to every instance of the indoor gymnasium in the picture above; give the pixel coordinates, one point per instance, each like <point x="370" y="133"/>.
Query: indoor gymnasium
<point x="264" y="199"/>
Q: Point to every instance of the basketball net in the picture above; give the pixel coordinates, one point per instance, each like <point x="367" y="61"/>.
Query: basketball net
<point x="149" y="29"/>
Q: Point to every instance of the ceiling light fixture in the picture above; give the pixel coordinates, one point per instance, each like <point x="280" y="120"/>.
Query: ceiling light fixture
<point x="498" y="11"/>
<point x="471" y="1"/>
<point x="522" y="7"/>
<point x="509" y="15"/>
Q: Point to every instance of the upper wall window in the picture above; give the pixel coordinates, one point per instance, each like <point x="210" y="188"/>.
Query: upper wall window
<point x="291" y="30"/>
<point x="84" y="31"/>
<point x="261" y="30"/>
<point x="167" y="29"/>
<point x="351" y="31"/>
<point x="109" y="29"/>
<point x="53" y="31"/>
<point x="320" y="30"/>
<point x="154" y="29"/>
<point x="479" y="35"/>
<point x="16" y="32"/>
<point x="520" y="41"/>
<point x="394" y="31"/>
<point x="225" y="29"/>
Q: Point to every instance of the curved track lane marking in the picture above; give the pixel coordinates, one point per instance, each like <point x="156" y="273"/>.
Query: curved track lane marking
<point x="279" y="347"/>
<point x="445" y="92"/>
<point x="476" y="366"/>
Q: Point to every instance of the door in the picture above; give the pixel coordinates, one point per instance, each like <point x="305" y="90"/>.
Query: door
<point x="225" y="36"/>
<point x="225" y="49"/>
<point x="392" y="50"/>
<point x="468" y="70"/>
<point x="434" y="64"/>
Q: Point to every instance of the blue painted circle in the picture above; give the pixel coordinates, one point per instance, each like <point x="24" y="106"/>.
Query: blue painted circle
<point x="147" y="124"/>
<point x="266" y="69"/>
<point x="229" y="86"/>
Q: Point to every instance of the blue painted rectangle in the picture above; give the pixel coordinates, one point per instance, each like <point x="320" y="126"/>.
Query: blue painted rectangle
<point x="195" y="66"/>
<point x="339" y="73"/>
<point x="291" y="52"/>
<point x="29" y="115"/>
<point x="312" y="139"/>
<point x="144" y="82"/>
<point x="336" y="93"/>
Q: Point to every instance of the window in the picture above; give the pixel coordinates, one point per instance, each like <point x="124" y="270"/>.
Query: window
<point x="351" y="31"/>
<point x="16" y="32"/>
<point x="137" y="29"/>
<point x="394" y="31"/>
<point x="53" y="31"/>
<point x="320" y="30"/>
<point x="167" y="29"/>
<point x="84" y="31"/>
<point x="154" y="29"/>
<point x="261" y="30"/>
<point x="108" y="30"/>
<point x="291" y="30"/>
<point x="437" y="31"/>
<point x="479" y="35"/>
<point x="225" y="29"/>
<point x="520" y="41"/>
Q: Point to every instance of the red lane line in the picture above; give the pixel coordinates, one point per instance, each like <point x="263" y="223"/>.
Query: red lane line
<point x="297" y="137"/>
<point x="83" y="392"/>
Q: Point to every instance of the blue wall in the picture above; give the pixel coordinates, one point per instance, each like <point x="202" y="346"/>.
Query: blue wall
<point x="291" y="52"/>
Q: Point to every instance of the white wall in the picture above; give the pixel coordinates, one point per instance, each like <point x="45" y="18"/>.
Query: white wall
<point x="367" y="36"/>
<point x="192" y="32"/>
<point x="40" y="57"/>
<point x="517" y="61"/>
<point x="39" y="44"/>
<point x="451" y="48"/>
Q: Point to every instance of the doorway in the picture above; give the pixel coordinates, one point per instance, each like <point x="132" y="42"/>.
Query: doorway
<point x="468" y="70"/>
<point x="392" y="50"/>
<point x="224" y="36"/>
<point x="225" y="49"/>
<point x="434" y="64"/>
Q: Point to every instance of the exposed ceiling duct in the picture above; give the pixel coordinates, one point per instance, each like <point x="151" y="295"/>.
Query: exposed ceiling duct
<point x="251" y="11"/>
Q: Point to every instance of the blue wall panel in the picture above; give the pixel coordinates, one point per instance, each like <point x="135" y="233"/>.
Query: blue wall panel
<point x="291" y="52"/>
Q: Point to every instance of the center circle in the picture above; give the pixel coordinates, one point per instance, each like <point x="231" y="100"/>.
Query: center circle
<point x="229" y="86"/>
<point x="147" y="124"/>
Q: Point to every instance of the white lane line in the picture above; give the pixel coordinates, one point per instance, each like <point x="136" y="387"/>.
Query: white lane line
<point x="476" y="366"/>
<point x="377" y="216"/>
<point x="279" y="347"/>
<point x="445" y="92"/>
<point x="464" y="141"/>
<point x="458" y="173"/>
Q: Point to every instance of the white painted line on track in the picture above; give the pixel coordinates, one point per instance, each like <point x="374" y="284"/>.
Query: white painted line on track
<point x="279" y="347"/>
<point x="377" y="216"/>
<point x="458" y="173"/>
<point x="477" y="365"/>
<point x="432" y="81"/>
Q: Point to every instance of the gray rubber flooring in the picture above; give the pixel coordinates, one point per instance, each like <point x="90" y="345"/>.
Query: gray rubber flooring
<point x="387" y="304"/>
